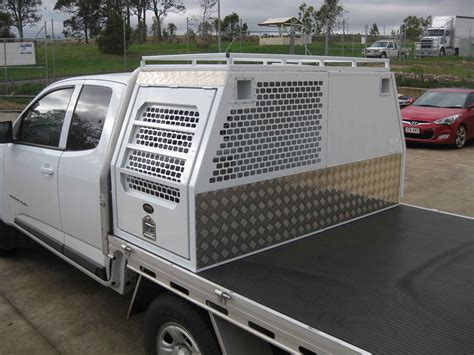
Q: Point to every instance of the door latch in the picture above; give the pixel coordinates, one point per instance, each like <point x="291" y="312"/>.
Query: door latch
<point x="222" y="296"/>
<point x="127" y="249"/>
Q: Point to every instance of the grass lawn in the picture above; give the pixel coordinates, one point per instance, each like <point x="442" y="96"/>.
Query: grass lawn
<point x="78" y="59"/>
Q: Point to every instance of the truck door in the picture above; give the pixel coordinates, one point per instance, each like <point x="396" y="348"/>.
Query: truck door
<point x="31" y="165"/>
<point x="80" y="168"/>
<point x="390" y="50"/>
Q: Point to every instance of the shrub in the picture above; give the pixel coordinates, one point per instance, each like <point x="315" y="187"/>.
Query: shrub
<point x="110" y="40"/>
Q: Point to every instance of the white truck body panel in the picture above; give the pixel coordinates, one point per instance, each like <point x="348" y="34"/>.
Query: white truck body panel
<point x="464" y="27"/>
<point x="34" y="194"/>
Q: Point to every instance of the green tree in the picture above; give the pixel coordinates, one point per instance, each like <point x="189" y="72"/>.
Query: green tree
<point x="374" y="30"/>
<point x="329" y="16"/>
<point x="207" y="9"/>
<point x="161" y="9"/>
<point x="230" y="26"/>
<point x="137" y="8"/>
<point x="22" y="13"/>
<point x="86" y="19"/>
<point x="5" y="24"/>
<point x="415" y="26"/>
<point x="110" y="40"/>
<point x="308" y="15"/>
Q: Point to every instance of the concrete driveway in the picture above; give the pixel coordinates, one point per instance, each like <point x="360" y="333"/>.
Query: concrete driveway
<point x="48" y="307"/>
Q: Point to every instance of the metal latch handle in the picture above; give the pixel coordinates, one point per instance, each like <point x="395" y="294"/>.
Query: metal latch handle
<point x="127" y="249"/>
<point x="223" y="296"/>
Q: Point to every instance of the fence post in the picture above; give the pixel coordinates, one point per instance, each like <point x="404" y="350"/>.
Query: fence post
<point x="53" y="50"/>
<point x="46" y="52"/>
<point x="124" y="46"/>
<point x="5" y="63"/>
<point x="240" y="35"/>
<point x="187" y="35"/>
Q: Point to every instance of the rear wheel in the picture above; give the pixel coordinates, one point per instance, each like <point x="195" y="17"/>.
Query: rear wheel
<point x="442" y="52"/>
<point x="461" y="137"/>
<point x="174" y="326"/>
<point x="9" y="240"/>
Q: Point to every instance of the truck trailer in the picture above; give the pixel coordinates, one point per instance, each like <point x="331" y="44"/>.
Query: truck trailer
<point x="250" y="202"/>
<point x="447" y="35"/>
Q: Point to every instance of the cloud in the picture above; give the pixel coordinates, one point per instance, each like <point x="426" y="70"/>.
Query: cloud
<point x="386" y="13"/>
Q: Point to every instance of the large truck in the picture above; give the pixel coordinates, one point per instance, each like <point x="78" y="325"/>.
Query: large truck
<point x="251" y="203"/>
<point x="447" y="35"/>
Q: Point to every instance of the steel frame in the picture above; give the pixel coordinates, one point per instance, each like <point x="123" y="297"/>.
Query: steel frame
<point x="273" y="327"/>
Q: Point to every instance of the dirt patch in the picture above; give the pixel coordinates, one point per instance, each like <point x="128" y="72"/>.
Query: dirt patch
<point x="6" y="105"/>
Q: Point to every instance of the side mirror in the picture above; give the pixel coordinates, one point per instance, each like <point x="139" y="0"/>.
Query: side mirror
<point x="6" y="135"/>
<point x="471" y="106"/>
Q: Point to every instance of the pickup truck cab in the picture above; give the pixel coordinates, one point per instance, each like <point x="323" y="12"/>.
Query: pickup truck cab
<point x="245" y="207"/>
<point x="52" y="167"/>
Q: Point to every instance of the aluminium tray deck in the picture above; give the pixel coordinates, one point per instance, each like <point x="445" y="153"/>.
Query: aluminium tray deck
<point x="400" y="281"/>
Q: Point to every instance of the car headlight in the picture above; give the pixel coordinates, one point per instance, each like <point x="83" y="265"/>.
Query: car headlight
<point x="447" y="120"/>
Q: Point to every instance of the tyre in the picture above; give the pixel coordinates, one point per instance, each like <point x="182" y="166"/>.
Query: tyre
<point x="8" y="239"/>
<point x="383" y="55"/>
<point x="461" y="137"/>
<point x="442" y="52"/>
<point x="174" y="326"/>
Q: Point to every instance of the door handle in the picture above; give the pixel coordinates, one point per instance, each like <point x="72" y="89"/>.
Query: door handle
<point x="46" y="170"/>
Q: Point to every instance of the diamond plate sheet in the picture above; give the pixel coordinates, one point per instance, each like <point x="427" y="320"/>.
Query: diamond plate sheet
<point x="239" y="220"/>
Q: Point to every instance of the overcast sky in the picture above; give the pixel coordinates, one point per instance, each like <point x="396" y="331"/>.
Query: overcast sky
<point x="388" y="13"/>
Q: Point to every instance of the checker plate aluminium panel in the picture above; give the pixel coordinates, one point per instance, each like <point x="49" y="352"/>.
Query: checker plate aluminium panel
<point x="238" y="220"/>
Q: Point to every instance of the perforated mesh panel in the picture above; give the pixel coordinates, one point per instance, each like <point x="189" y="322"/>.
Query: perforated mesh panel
<point x="178" y="116"/>
<point x="152" y="188"/>
<point x="162" y="166"/>
<point x="160" y="141"/>
<point x="282" y="131"/>
<point x="163" y="139"/>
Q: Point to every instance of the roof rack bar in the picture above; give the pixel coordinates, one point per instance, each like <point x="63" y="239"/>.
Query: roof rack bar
<point x="265" y="59"/>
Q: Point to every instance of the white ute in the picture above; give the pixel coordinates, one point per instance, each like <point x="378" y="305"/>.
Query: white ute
<point x="250" y="201"/>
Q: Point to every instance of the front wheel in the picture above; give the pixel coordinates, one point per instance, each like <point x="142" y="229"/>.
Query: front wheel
<point x="461" y="137"/>
<point x="383" y="55"/>
<point x="442" y="52"/>
<point x="174" y="326"/>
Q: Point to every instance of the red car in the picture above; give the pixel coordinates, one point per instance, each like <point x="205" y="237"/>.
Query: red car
<point x="440" y="116"/>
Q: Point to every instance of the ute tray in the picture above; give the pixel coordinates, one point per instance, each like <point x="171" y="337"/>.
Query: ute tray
<point x="400" y="281"/>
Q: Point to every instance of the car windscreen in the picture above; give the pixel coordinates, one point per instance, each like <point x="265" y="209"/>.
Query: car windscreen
<point x="442" y="99"/>
<point x="379" y="44"/>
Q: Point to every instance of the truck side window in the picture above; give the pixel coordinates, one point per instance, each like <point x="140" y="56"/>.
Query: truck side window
<point x="43" y="122"/>
<point x="88" y="117"/>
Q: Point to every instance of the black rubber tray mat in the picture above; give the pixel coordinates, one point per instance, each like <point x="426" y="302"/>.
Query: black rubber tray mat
<point x="400" y="281"/>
